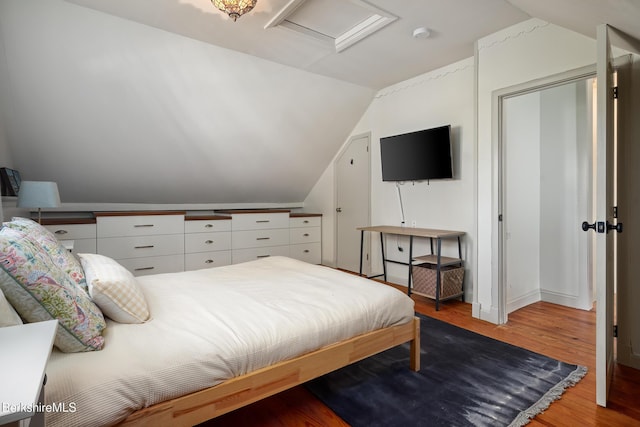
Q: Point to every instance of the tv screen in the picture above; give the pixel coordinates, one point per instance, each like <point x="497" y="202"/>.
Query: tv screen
<point x="417" y="156"/>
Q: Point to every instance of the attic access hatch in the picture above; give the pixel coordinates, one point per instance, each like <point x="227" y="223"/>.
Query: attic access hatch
<point x="337" y="23"/>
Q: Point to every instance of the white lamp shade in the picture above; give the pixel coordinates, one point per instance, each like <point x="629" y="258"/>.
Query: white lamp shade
<point x="38" y="194"/>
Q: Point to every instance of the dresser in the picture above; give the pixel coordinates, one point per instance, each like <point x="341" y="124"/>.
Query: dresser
<point x="305" y="237"/>
<point x="207" y="241"/>
<point x="82" y="232"/>
<point x="259" y="234"/>
<point x="152" y="242"/>
<point x="144" y="243"/>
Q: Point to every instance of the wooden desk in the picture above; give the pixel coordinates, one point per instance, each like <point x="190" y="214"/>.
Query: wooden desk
<point x="435" y="257"/>
<point x="25" y="352"/>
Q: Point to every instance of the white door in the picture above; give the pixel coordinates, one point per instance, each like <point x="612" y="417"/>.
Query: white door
<point x="628" y="246"/>
<point x="352" y="203"/>
<point x="604" y="258"/>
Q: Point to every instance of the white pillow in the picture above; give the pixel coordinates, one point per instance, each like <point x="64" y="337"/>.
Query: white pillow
<point x="114" y="289"/>
<point x="8" y="315"/>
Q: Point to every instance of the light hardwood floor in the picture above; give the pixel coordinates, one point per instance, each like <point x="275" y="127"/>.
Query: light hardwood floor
<point x="559" y="332"/>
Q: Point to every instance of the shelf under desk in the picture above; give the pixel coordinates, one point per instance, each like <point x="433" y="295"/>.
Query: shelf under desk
<point x="435" y="257"/>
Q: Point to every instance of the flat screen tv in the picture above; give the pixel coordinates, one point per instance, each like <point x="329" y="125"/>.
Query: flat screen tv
<point x="417" y="156"/>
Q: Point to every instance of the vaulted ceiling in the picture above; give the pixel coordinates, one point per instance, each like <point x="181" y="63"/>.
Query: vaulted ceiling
<point x="387" y="56"/>
<point x="170" y="101"/>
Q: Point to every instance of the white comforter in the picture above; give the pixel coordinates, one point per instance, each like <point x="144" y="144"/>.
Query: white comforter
<point x="211" y="325"/>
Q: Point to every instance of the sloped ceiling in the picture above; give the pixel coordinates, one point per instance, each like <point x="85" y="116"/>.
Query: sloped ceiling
<point x="119" y="112"/>
<point x="583" y="16"/>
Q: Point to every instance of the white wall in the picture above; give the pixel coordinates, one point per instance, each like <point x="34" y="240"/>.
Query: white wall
<point x="521" y="145"/>
<point x="5" y="153"/>
<point x="117" y="111"/>
<point x="443" y="96"/>
<point x="531" y="50"/>
<point x="547" y="143"/>
<point x="565" y="151"/>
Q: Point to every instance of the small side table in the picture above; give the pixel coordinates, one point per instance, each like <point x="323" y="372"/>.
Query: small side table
<point x="23" y="360"/>
<point x="67" y="244"/>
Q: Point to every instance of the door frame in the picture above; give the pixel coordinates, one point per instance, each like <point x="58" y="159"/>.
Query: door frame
<point x="366" y="263"/>
<point x="498" y="176"/>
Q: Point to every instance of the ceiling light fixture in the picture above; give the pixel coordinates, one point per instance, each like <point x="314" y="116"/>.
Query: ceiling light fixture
<point x="234" y="8"/>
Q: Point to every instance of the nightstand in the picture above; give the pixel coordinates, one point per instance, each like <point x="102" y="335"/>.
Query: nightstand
<point x="67" y="244"/>
<point x="25" y="352"/>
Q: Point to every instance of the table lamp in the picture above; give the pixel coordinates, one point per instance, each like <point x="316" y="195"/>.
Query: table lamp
<point x="38" y="194"/>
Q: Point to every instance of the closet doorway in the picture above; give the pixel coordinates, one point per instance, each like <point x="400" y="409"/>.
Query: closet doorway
<point x="547" y="186"/>
<point x="353" y="203"/>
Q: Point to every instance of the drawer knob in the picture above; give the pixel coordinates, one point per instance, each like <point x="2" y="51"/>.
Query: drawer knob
<point x="61" y="232"/>
<point x="208" y="242"/>
<point x="306" y="251"/>
<point x="209" y="261"/>
<point x="208" y="226"/>
<point x="144" y="268"/>
<point x="262" y="221"/>
<point x="144" y="247"/>
<point x="306" y="234"/>
<point x="306" y="221"/>
<point x="263" y="238"/>
<point x="142" y="225"/>
<point x="263" y="256"/>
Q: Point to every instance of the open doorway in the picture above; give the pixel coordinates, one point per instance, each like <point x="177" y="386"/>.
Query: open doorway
<point x="547" y="191"/>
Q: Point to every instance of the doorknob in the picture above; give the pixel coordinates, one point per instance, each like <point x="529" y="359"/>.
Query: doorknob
<point x="338" y="210"/>
<point x="617" y="227"/>
<point x="598" y="226"/>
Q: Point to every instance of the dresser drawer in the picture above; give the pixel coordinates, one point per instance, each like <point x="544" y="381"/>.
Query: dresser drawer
<point x="243" y="255"/>
<point x="139" y="225"/>
<point x="154" y="265"/>
<point x="141" y="246"/>
<point x="308" y="252"/>
<point x="207" y="260"/>
<point x="207" y="242"/>
<point x="305" y="221"/>
<point x="207" y="226"/>
<point x="73" y="231"/>
<point x="260" y="238"/>
<point x="260" y="221"/>
<point x="304" y="235"/>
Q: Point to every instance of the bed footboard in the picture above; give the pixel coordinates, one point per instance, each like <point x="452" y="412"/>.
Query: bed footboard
<point x="241" y="391"/>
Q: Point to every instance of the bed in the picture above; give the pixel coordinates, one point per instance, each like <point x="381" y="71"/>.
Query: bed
<point x="217" y="339"/>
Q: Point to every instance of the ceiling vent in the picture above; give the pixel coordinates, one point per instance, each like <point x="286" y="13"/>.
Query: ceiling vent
<point x="337" y="23"/>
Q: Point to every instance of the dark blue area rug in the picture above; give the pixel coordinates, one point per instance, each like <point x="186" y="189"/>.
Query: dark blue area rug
<point x="466" y="379"/>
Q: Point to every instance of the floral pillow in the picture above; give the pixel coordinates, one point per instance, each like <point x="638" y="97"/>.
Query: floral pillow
<point x="62" y="257"/>
<point x="39" y="290"/>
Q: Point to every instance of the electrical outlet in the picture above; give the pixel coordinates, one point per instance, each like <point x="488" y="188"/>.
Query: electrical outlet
<point x="400" y="249"/>
<point x="413" y="223"/>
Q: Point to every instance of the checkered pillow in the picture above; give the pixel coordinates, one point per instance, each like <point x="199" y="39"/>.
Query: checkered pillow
<point x="114" y="289"/>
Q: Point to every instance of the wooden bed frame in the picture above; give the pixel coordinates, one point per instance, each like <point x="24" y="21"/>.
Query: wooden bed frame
<point x="209" y="403"/>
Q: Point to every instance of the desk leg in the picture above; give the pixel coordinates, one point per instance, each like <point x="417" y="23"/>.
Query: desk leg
<point x="361" y="248"/>
<point x="410" y="262"/>
<point x="438" y="275"/>
<point x="384" y="259"/>
<point x="460" y="256"/>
